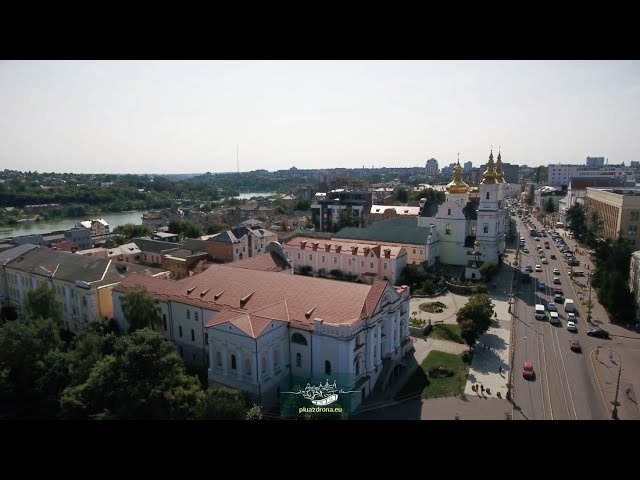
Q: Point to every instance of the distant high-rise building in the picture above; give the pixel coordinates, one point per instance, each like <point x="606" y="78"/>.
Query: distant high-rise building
<point x="595" y="161"/>
<point x="635" y="163"/>
<point x="432" y="167"/>
<point x="467" y="167"/>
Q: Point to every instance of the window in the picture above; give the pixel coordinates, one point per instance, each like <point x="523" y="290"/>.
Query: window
<point x="188" y="314"/>
<point x="298" y="338"/>
<point x="180" y="331"/>
<point x="164" y="321"/>
<point x="327" y="367"/>
<point x="473" y="229"/>
<point x="448" y="211"/>
<point x="385" y="265"/>
<point x="298" y="360"/>
<point x="310" y="257"/>
<point x="298" y="256"/>
<point x="264" y="364"/>
<point x="414" y="250"/>
<point x="206" y="338"/>
<point x="447" y="229"/>
<point x="193" y="335"/>
<point x="358" y="366"/>
<point x="488" y="195"/>
<point x="335" y="260"/>
<point x="233" y="362"/>
<point x="276" y="358"/>
<point x="375" y="352"/>
<point x="247" y="366"/>
<point x="219" y="359"/>
<point x="485" y="228"/>
<point x="84" y="300"/>
<point x="195" y="316"/>
<point x="362" y="264"/>
<point x="421" y="252"/>
<point x="322" y="258"/>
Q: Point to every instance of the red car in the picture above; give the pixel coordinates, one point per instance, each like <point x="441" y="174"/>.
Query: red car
<point x="575" y="345"/>
<point x="527" y="370"/>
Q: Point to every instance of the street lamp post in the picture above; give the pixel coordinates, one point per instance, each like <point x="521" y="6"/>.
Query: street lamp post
<point x="614" y="412"/>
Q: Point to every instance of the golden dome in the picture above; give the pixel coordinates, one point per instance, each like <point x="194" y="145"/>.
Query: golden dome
<point x="489" y="175"/>
<point x="499" y="172"/>
<point x="457" y="185"/>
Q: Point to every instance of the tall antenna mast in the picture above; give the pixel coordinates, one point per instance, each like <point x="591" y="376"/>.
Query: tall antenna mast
<point x="237" y="158"/>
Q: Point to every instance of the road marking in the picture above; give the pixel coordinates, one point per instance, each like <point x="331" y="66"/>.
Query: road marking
<point x="564" y="368"/>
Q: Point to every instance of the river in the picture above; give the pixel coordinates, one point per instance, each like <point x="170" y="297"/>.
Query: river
<point x="114" y="219"/>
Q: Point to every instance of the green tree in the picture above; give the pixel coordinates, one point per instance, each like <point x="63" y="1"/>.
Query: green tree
<point x="27" y="353"/>
<point x="175" y="227"/>
<point x="42" y="303"/>
<point x="549" y="206"/>
<point x="144" y="378"/>
<point x="131" y="230"/>
<point x="488" y="270"/>
<point x="401" y="195"/>
<point x="347" y="218"/>
<point x="576" y="220"/>
<point x="474" y="318"/>
<point x="223" y="403"/>
<point x="302" y="205"/>
<point x="141" y="310"/>
<point x="190" y="229"/>
<point x="254" y="413"/>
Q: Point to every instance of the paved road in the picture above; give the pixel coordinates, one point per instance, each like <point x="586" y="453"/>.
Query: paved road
<point x="565" y="386"/>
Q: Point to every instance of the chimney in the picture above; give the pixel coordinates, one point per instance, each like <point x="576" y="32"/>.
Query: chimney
<point x="366" y="250"/>
<point x="327" y="247"/>
<point x="338" y="248"/>
<point x="387" y="253"/>
<point x="354" y="250"/>
<point x="303" y="244"/>
<point x="315" y="246"/>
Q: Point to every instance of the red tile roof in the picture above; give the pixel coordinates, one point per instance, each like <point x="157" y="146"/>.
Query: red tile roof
<point x="267" y="262"/>
<point x="267" y="296"/>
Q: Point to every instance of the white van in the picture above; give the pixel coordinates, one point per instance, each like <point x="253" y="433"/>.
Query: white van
<point x="554" y="318"/>
<point x="539" y="311"/>
<point x="569" y="305"/>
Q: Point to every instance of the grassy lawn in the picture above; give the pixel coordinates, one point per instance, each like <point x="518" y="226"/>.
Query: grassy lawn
<point x="430" y="387"/>
<point x="446" y="331"/>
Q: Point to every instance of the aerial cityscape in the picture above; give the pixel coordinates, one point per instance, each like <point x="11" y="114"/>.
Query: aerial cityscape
<point x="301" y="240"/>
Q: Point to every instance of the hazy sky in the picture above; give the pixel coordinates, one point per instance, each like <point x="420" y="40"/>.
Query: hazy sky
<point x="188" y="116"/>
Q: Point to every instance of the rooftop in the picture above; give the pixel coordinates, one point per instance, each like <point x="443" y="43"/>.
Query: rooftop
<point x="402" y="230"/>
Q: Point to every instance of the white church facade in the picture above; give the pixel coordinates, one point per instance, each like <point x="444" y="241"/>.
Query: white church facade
<point x="469" y="229"/>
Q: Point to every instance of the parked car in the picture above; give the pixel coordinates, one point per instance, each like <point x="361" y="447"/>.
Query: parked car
<point x="575" y="345"/>
<point x="572" y="327"/>
<point x="527" y="371"/>
<point x="598" y="332"/>
<point x="571" y="316"/>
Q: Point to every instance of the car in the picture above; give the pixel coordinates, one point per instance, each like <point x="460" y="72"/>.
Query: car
<point x="556" y="271"/>
<point x="554" y="318"/>
<point x="538" y="268"/>
<point x="571" y="326"/>
<point x="552" y="307"/>
<point x="553" y="257"/>
<point x="527" y="371"/>
<point x="529" y="268"/>
<point x="541" y="286"/>
<point x="544" y="261"/>
<point x="536" y="239"/>
<point x="571" y="316"/>
<point x="598" y="332"/>
<point x="558" y="298"/>
<point x="575" y="345"/>
<point x="525" y="250"/>
<point x="558" y="291"/>
<point x="547" y="247"/>
<point x="556" y="280"/>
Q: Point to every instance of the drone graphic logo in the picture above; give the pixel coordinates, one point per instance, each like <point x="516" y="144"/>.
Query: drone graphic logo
<point x="322" y="395"/>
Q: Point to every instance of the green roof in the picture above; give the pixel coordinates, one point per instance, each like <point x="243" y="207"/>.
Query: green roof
<point x="395" y="230"/>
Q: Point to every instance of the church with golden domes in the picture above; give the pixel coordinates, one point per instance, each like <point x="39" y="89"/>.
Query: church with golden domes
<point x="470" y="228"/>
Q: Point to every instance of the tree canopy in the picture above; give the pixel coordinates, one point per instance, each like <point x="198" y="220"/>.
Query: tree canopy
<point x="140" y="310"/>
<point x="474" y="318"/>
<point x="42" y="303"/>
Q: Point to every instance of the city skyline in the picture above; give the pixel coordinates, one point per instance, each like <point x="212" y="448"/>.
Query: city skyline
<point x="191" y="116"/>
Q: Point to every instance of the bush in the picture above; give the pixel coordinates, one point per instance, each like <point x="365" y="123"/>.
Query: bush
<point x="437" y="372"/>
<point x="305" y="270"/>
<point x="322" y="273"/>
<point x="480" y="288"/>
<point x="335" y="273"/>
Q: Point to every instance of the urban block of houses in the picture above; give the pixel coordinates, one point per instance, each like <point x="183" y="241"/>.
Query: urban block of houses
<point x="151" y="251"/>
<point x="259" y="330"/>
<point x="180" y="261"/>
<point x="81" y="236"/>
<point x="98" y="227"/>
<point x="367" y="261"/>
<point x="238" y="243"/>
<point x="326" y="207"/>
<point x="385" y="212"/>
<point x="82" y="284"/>
<point x="399" y="231"/>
